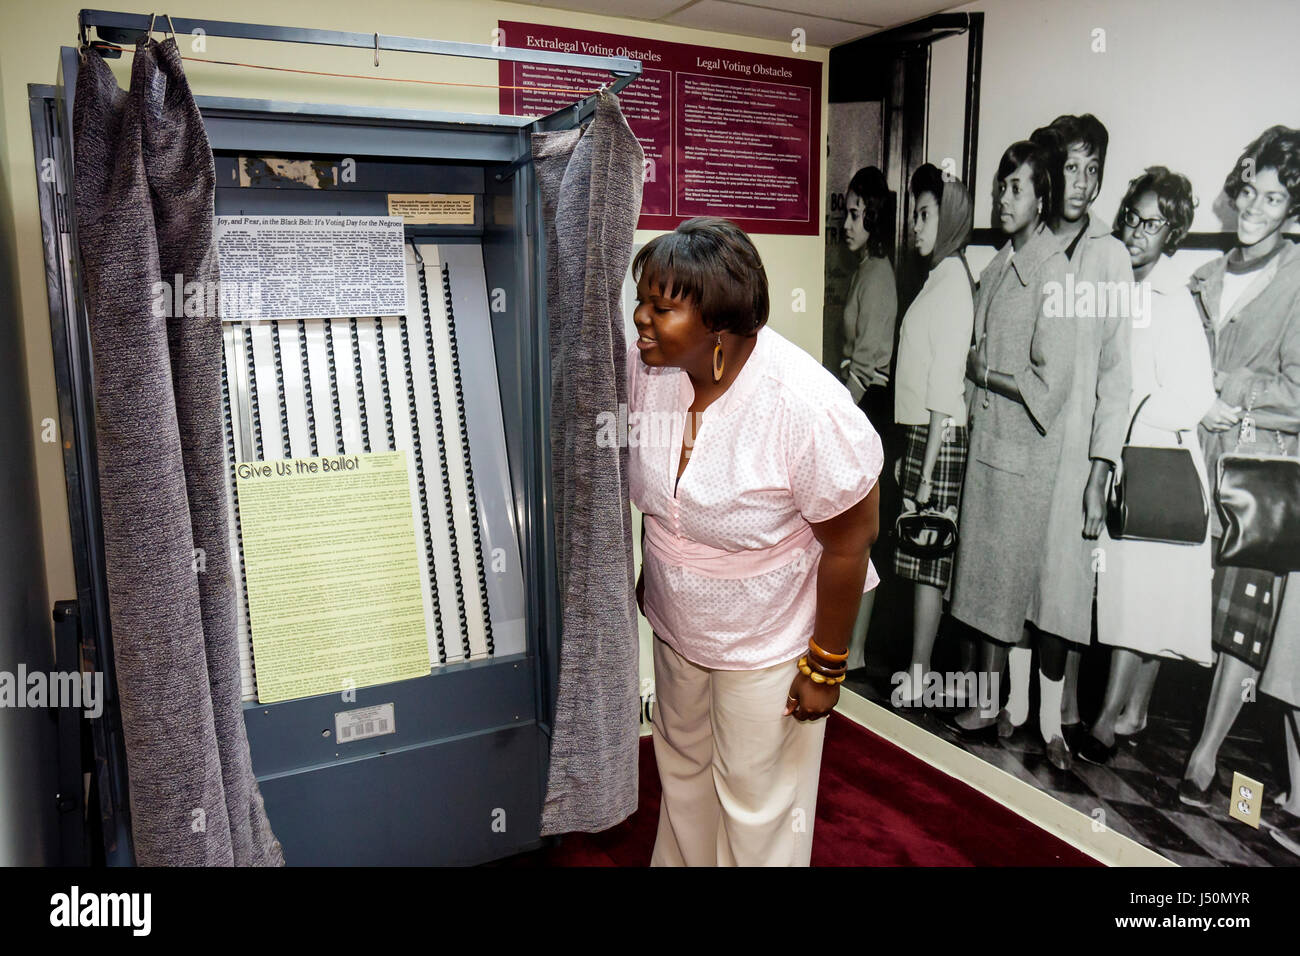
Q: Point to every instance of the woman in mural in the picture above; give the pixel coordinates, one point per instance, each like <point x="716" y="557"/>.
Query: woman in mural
<point x="870" y="312"/>
<point x="872" y="304"/>
<point x="1092" y="424"/>
<point x="1153" y="598"/>
<point x="1249" y="301"/>
<point x="929" y="390"/>
<point x="1020" y="371"/>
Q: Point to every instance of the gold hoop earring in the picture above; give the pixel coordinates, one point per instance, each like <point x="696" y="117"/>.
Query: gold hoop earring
<point x="718" y="360"/>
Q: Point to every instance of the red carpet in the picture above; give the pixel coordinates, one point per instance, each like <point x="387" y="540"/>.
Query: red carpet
<point x="877" y="805"/>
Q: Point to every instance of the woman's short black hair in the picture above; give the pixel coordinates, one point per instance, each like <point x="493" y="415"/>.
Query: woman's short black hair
<point x="1173" y="196"/>
<point x="1086" y="131"/>
<point x="1043" y="158"/>
<point x="878" y="206"/>
<point x="927" y="179"/>
<point x="714" y="265"/>
<point x="1278" y="147"/>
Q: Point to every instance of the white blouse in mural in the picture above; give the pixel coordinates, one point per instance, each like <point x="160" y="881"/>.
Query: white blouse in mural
<point x="1152" y="597"/>
<point x="730" y="557"/>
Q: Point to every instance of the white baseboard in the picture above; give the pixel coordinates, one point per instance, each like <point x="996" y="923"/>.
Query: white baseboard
<point x="1038" y="807"/>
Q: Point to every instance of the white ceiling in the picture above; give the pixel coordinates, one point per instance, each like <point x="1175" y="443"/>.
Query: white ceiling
<point x="824" y="22"/>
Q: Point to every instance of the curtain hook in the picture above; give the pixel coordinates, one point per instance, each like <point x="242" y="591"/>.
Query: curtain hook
<point x="171" y="26"/>
<point x="376" y="49"/>
<point x="152" y="18"/>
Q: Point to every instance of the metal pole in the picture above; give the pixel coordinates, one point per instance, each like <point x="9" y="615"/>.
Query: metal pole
<point x="114" y="20"/>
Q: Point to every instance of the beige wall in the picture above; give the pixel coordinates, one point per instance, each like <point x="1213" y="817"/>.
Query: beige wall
<point x="33" y="32"/>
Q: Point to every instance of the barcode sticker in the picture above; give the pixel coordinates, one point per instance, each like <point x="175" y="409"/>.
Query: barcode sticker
<point x="352" y="725"/>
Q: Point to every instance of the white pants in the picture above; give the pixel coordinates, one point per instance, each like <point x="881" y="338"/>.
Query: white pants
<point x="739" y="779"/>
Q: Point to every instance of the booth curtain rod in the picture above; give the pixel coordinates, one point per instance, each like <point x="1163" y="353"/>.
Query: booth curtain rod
<point x="100" y="19"/>
<point x="113" y="26"/>
<point x="101" y="45"/>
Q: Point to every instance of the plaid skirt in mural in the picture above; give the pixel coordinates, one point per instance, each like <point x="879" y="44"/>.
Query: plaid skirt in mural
<point x="945" y="483"/>
<point x="1244" y="611"/>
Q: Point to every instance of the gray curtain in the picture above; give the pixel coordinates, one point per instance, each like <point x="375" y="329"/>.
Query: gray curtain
<point x="590" y="182"/>
<point x="144" y="199"/>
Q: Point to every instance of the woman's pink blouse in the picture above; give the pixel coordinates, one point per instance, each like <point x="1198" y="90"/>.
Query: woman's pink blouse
<point x="730" y="558"/>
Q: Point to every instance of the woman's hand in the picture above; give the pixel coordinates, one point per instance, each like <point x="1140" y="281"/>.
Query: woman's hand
<point x="1094" y="507"/>
<point x="977" y="369"/>
<point x="809" y="700"/>
<point x="1221" y="416"/>
<point x="924" y="492"/>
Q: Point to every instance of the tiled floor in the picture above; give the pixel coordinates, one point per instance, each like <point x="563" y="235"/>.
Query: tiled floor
<point x="1136" y="795"/>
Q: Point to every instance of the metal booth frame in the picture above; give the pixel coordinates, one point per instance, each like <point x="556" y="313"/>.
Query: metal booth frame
<point x="474" y="736"/>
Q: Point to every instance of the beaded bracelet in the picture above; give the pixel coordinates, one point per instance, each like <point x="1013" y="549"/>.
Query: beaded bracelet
<point x="817" y="678"/>
<point x="821" y="668"/>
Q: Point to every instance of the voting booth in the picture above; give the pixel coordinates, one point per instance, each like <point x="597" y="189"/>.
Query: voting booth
<point x="385" y="396"/>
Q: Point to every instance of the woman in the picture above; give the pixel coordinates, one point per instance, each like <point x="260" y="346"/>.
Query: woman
<point x="872" y="304"/>
<point x="1153" y="599"/>
<point x="870" y="312"/>
<point x="1249" y="301"/>
<point x="1092" y="424"/>
<point x="929" y="392"/>
<point x="1021" y="369"/>
<point x="760" y="509"/>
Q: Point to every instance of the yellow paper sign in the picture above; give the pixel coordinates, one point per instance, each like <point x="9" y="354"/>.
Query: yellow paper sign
<point x="418" y="209"/>
<point x="333" y="574"/>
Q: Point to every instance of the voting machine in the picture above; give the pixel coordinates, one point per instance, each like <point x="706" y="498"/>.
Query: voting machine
<point x="412" y="771"/>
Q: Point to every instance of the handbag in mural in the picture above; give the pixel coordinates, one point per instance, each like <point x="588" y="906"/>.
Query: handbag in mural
<point x="1156" y="494"/>
<point x="927" y="534"/>
<point x="1258" y="499"/>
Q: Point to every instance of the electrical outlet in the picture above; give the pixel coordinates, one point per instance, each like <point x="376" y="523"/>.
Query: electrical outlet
<point x="1246" y="799"/>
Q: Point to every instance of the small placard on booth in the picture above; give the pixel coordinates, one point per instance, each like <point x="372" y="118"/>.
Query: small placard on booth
<point x="425" y="209"/>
